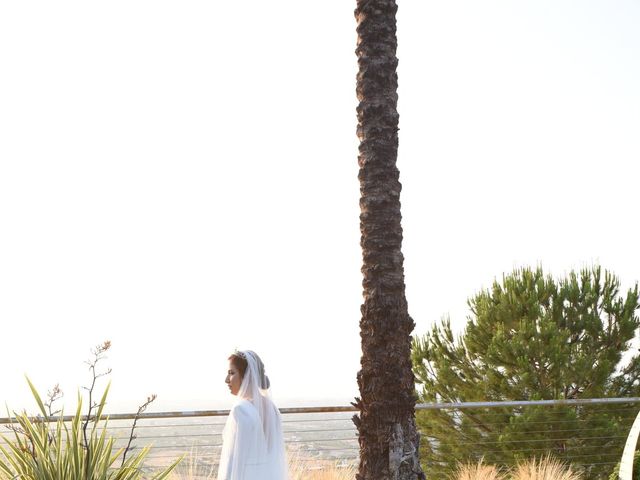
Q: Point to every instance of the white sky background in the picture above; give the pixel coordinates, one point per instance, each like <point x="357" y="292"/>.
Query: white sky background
<point x="181" y="178"/>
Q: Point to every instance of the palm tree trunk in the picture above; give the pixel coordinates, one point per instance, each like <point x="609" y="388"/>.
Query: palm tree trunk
<point x="387" y="431"/>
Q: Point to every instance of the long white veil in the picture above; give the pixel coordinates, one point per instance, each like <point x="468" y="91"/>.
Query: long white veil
<point x="253" y="445"/>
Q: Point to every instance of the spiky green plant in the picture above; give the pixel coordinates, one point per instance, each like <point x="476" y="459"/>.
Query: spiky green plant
<point x="46" y="448"/>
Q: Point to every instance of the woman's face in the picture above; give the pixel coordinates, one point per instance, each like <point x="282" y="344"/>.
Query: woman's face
<point x="234" y="379"/>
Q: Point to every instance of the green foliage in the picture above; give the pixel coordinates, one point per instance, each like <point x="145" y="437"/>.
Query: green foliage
<point x="47" y="448"/>
<point x="531" y="338"/>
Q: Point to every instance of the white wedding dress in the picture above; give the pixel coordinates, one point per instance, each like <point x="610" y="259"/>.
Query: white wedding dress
<point x="252" y="441"/>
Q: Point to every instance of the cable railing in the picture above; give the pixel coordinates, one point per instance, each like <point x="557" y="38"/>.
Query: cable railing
<point x="587" y="433"/>
<point x="315" y="436"/>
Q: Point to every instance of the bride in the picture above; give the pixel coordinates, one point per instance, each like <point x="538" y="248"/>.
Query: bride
<point x="252" y="442"/>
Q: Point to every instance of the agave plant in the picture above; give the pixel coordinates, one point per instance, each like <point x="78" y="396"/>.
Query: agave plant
<point x="46" y="448"/>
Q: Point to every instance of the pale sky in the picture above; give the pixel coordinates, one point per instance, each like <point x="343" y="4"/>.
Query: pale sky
<point x="181" y="178"/>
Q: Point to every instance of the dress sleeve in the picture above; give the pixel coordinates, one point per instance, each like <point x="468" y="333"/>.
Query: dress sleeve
<point x="238" y="444"/>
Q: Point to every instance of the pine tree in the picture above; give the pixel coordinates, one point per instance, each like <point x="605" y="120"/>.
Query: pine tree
<point x="531" y="338"/>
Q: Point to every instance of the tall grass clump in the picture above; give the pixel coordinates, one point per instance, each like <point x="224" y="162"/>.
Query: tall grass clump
<point x="45" y="447"/>
<point x="546" y="468"/>
<point x="479" y="471"/>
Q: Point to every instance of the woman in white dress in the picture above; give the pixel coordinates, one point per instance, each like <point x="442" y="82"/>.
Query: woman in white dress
<point x="252" y="441"/>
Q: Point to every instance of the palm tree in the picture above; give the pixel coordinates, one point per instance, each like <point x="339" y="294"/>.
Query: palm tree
<point x="386" y="425"/>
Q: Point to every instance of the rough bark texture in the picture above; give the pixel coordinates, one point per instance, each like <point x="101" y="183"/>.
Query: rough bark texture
<point x="386" y="424"/>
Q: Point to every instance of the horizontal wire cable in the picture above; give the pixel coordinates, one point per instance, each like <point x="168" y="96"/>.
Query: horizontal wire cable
<point x="529" y="441"/>
<point x="583" y="417"/>
<point x="551" y="414"/>
<point x="196" y="435"/>
<point x="547" y="432"/>
<point x="527" y="450"/>
<point x="310" y="440"/>
<point x="319" y="420"/>
<point x="516" y="463"/>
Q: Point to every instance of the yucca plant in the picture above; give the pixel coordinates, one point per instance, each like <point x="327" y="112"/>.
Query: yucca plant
<point x="48" y="448"/>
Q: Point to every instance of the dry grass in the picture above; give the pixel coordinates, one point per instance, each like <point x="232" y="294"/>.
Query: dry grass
<point x="327" y="473"/>
<point x="298" y="470"/>
<point x="190" y="469"/>
<point x="546" y="468"/>
<point x="478" y="471"/>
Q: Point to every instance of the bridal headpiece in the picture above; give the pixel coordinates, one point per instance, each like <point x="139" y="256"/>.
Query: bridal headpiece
<point x="255" y="367"/>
